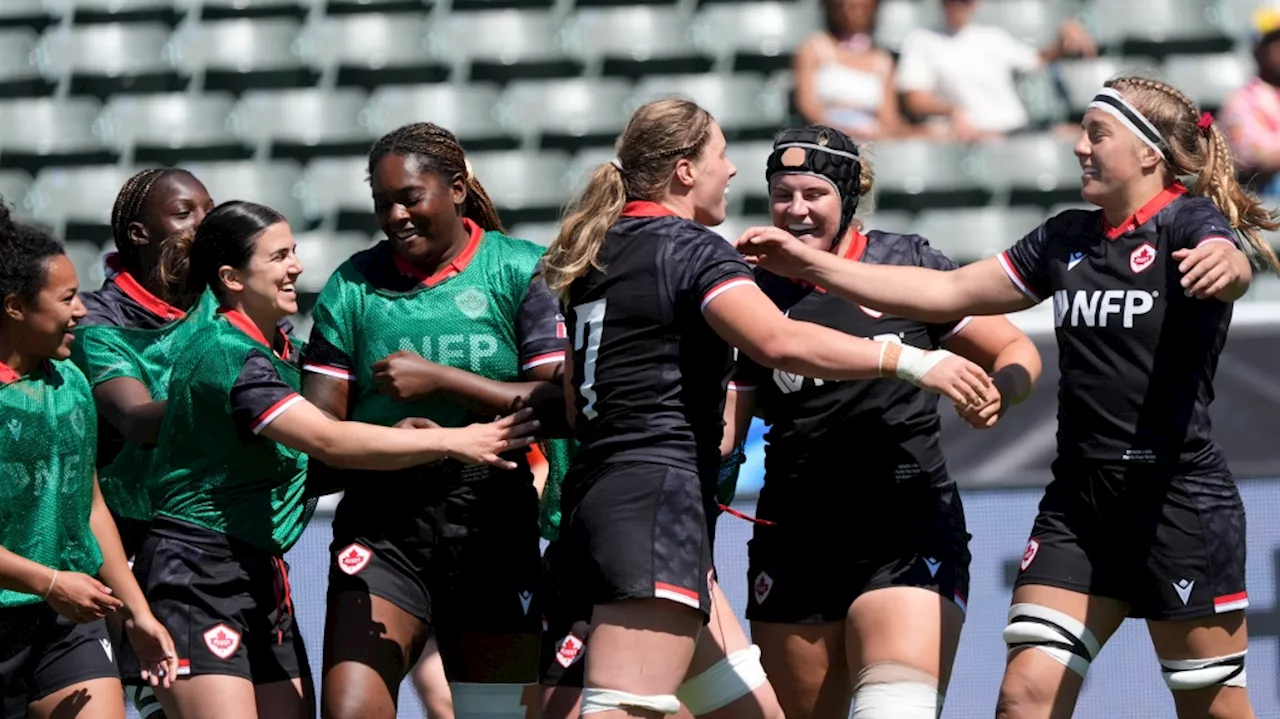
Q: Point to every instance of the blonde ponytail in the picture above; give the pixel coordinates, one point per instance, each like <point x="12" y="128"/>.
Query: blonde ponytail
<point x="584" y="227"/>
<point x="1245" y="211"/>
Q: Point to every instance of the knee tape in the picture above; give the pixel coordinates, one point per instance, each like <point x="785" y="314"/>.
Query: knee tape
<point x="473" y="700"/>
<point x="1052" y="632"/>
<point x="889" y="690"/>
<point x="144" y="701"/>
<point x="735" y="676"/>
<point x="602" y="700"/>
<point x="1189" y="674"/>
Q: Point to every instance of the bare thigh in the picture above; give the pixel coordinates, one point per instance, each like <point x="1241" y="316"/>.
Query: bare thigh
<point x="93" y="699"/>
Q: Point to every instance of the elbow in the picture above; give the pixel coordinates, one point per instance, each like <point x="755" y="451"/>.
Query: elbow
<point x="777" y="350"/>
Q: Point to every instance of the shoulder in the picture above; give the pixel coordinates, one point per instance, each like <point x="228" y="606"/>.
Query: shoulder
<point x="103" y="308"/>
<point x="70" y="377"/>
<point x="1070" y="223"/>
<point x="896" y="248"/>
<point x="1197" y="218"/>
<point x="513" y="251"/>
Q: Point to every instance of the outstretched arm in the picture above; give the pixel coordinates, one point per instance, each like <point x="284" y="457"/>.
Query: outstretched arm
<point x="1008" y="354"/>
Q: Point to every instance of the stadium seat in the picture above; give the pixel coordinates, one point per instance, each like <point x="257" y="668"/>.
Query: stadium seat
<point x="886" y="220"/>
<point x="322" y="253"/>
<point x="751" y="159"/>
<point x="1040" y="162"/>
<point x="82" y="195"/>
<point x="277" y="185"/>
<point x="234" y="8"/>
<point x="17" y="56"/>
<point x="520" y="180"/>
<point x="87" y="257"/>
<point x="755" y="31"/>
<point x="466" y="110"/>
<point x="1044" y="105"/>
<point x="575" y="108"/>
<point x="167" y="121"/>
<point x="336" y="185"/>
<point x="503" y="44"/>
<point x="303" y="117"/>
<point x="542" y="233"/>
<point x="108" y="58"/>
<point x="972" y="233"/>
<point x="737" y="102"/>
<point x="241" y="54"/>
<point x="634" y="41"/>
<point x="583" y="164"/>
<point x="1032" y="21"/>
<point x="371" y="49"/>
<point x="23" y="9"/>
<point x="14" y="186"/>
<point x="48" y="127"/>
<point x="1154" y="21"/>
<point x="104" y="7"/>
<point x="896" y="18"/>
<point x="916" y="166"/>
<point x="1082" y="78"/>
<point x="1208" y="79"/>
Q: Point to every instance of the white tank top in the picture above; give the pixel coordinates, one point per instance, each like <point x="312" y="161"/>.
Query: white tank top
<point x="850" y="97"/>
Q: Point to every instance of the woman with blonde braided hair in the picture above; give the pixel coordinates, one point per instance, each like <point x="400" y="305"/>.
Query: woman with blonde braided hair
<point x="449" y="320"/>
<point x="1143" y="518"/>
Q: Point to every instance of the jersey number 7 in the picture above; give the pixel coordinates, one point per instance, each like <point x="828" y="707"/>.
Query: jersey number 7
<point x="588" y="327"/>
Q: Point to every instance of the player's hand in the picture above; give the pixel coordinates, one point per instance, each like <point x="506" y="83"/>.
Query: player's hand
<point x="81" y="598"/>
<point x="155" y="649"/>
<point x="405" y="376"/>
<point x="982" y="416"/>
<point x="1211" y="268"/>
<point x="484" y="443"/>
<point x="776" y="250"/>
<point x="964" y="382"/>
<point x="416" y="423"/>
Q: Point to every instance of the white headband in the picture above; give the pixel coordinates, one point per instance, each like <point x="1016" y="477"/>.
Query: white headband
<point x="1114" y="104"/>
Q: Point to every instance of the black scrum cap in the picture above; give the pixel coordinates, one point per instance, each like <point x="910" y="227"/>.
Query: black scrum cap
<point x="822" y="152"/>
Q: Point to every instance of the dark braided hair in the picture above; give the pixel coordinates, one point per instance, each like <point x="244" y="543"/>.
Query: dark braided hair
<point x="128" y="207"/>
<point x="439" y="151"/>
<point x="25" y="253"/>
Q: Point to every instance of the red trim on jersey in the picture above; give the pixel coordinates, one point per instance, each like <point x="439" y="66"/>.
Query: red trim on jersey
<point x="270" y="414"/>
<point x="140" y="294"/>
<point x="723" y="287"/>
<point x="455" y="266"/>
<point x="545" y="358"/>
<point x="1216" y="238"/>
<point x="1231" y="602"/>
<point x="644" y="208"/>
<point x="1144" y="213"/>
<point x="246" y="325"/>
<point x="1009" y="269"/>
<point x="7" y="375"/>
<point x="328" y="370"/>
<point x="662" y="590"/>
<point x="857" y="246"/>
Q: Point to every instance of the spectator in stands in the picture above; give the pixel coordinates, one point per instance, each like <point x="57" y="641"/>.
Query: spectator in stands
<point x="964" y="74"/>
<point x="842" y="79"/>
<point x="1251" y="114"/>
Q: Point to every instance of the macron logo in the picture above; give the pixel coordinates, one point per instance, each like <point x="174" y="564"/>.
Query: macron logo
<point x="1074" y="260"/>
<point x="1183" y="587"/>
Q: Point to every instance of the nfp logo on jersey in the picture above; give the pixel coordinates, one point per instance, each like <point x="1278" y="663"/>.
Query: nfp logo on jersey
<point x="1098" y="307"/>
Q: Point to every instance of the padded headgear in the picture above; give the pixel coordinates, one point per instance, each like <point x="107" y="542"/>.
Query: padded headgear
<point x="822" y="152"/>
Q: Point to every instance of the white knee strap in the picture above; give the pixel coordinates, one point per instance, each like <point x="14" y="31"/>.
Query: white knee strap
<point x="144" y="701"/>
<point x="1190" y="674"/>
<point x="472" y="700"/>
<point x="1052" y="632"/>
<point x="735" y="676"/>
<point x="889" y="690"/>
<point x="603" y="700"/>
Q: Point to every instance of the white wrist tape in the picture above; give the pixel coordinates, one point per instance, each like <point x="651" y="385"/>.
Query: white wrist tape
<point x="914" y="363"/>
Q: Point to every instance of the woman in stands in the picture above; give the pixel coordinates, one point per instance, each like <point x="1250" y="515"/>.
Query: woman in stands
<point x="456" y="554"/>
<point x="884" y="628"/>
<point x="651" y="335"/>
<point x="1142" y="519"/>
<point x="842" y="79"/>
<point x="229" y="475"/>
<point x="57" y="538"/>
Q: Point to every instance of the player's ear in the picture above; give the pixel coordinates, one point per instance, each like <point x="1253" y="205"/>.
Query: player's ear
<point x="14" y="307"/>
<point x="686" y="172"/>
<point x="230" y="278"/>
<point x="458" y="189"/>
<point x="1148" y="159"/>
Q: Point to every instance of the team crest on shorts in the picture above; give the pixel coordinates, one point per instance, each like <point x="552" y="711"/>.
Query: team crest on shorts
<point x="569" y="650"/>
<point x="222" y="640"/>
<point x="353" y="558"/>
<point x="1029" y="555"/>
<point x="1142" y="258"/>
<point x="762" y="587"/>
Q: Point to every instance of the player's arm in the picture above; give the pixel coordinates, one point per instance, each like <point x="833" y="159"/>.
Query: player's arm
<point x="1215" y="268"/>
<point x="981" y="288"/>
<point x="147" y="635"/>
<point x="127" y="405"/>
<point x="994" y="344"/>
<point x="739" y="406"/>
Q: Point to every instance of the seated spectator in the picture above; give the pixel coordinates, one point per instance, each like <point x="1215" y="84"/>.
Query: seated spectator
<point x="842" y="79"/>
<point x="1251" y="115"/>
<point x="965" y="74"/>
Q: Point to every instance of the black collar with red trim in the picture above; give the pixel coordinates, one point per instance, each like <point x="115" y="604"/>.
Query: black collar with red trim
<point x="455" y="266"/>
<point x="645" y="208"/>
<point x="241" y="321"/>
<point x="854" y="252"/>
<point x="133" y="289"/>
<point x="1144" y="213"/>
<point x="8" y="375"/>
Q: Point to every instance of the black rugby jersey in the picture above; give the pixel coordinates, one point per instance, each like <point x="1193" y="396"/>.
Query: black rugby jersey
<point x="1135" y="354"/>
<point x="649" y="374"/>
<point x="885" y="423"/>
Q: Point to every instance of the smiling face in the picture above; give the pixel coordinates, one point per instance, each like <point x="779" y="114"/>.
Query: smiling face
<point x="712" y="172"/>
<point x="1111" y="158"/>
<point x="416" y="208"/>
<point x="266" y="285"/>
<point x="807" y="207"/>
<point x="46" y="320"/>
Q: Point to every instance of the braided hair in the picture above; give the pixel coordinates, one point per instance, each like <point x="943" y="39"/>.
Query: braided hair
<point x="128" y="207"/>
<point x="25" y="253"/>
<point x="1201" y="150"/>
<point x="439" y="150"/>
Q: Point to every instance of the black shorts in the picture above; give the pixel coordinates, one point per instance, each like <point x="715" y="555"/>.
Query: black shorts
<point x="817" y="557"/>
<point x="132" y="532"/>
<point x="562" y="649"/>
<point x="1171" y="546"/>
<point x="460" y="555"/>
<point x="226" y="603"/>
<point x="41" y="653"/>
